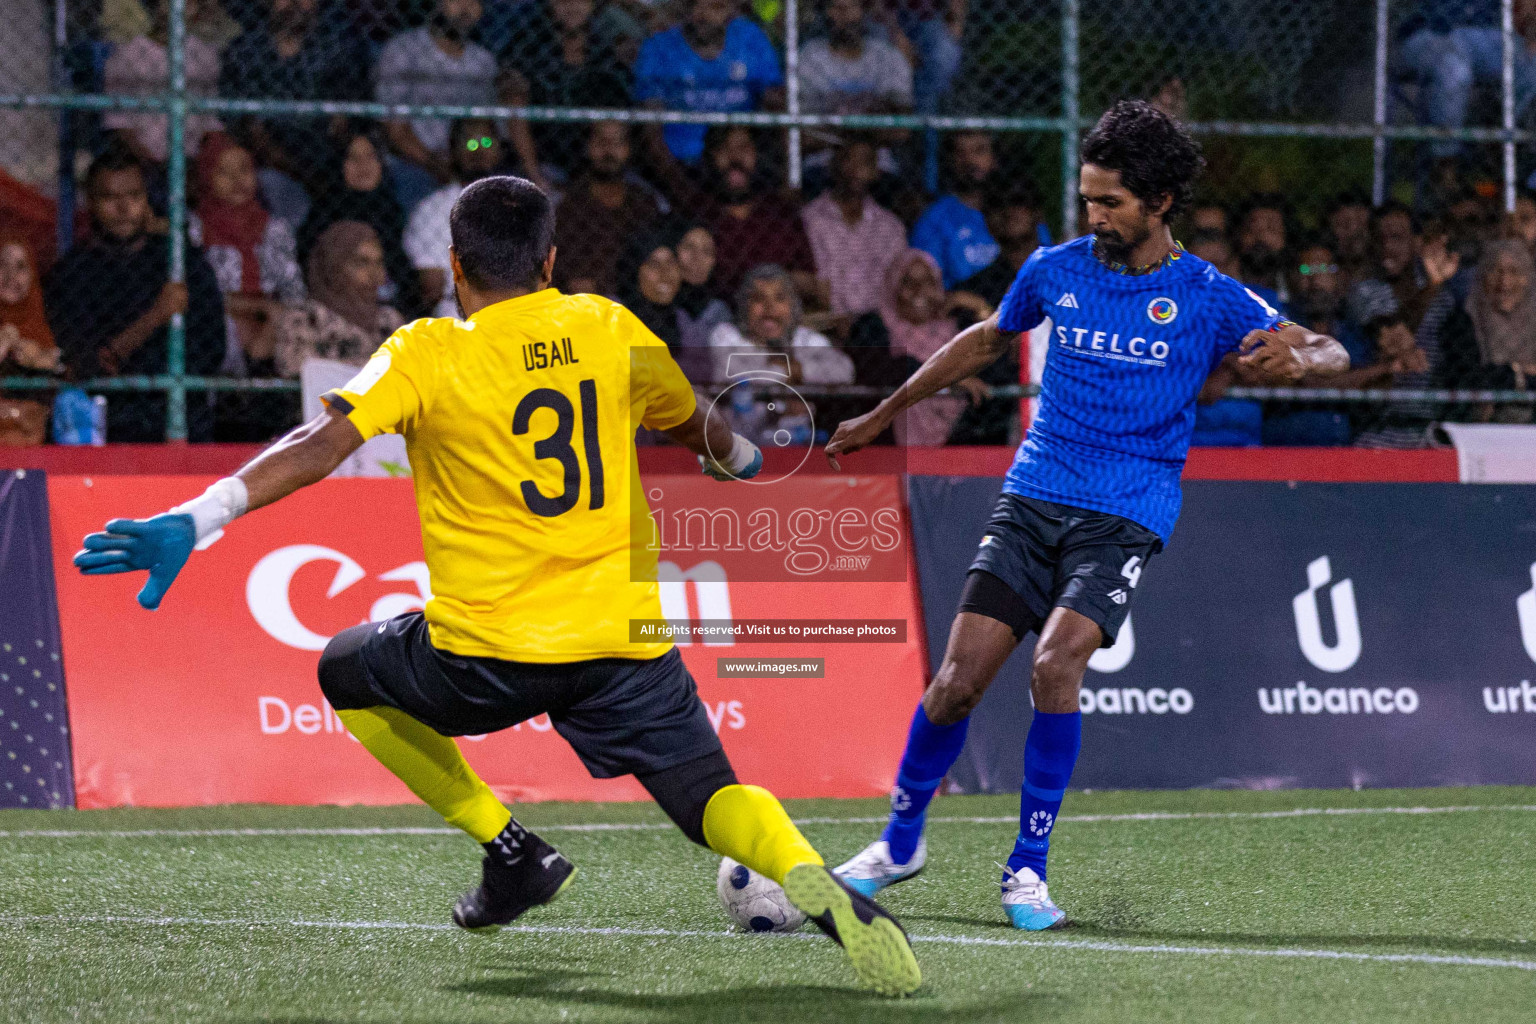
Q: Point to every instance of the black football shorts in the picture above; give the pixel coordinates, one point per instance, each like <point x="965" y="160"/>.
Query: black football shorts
<point x="621" y="716"/>
<point x="1038" y="555"/>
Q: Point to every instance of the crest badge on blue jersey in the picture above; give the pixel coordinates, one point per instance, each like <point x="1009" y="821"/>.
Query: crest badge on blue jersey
<point x="1162" y="310"/>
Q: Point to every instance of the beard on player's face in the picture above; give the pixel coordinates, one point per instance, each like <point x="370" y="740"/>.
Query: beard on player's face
<point x="1117" y="244"/>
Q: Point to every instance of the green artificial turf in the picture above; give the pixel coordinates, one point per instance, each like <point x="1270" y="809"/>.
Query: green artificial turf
<point x="311" y="928"/>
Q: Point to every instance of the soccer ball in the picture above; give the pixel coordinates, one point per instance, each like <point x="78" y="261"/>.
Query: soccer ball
<point x="755" y="903"/>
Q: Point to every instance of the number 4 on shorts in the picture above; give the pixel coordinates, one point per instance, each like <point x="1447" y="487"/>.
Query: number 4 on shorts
<point x="1132" y="570"/>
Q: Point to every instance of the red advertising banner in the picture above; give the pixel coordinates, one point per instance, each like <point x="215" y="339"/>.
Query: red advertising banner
<point x="213" y="698"/>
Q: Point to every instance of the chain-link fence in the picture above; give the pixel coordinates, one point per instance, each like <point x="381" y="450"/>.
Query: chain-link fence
<point x="201" y="195"/>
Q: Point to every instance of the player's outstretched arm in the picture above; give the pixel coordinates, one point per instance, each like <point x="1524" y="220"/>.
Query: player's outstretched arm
<point x="162" y="544"/>
<point x="1291" y="353"/>
<point x="723" y="454"/>
<point x="970" y="351"/>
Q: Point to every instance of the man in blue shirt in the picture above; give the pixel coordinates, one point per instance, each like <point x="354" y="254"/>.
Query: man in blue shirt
<point x="1137" y="324"/>
<point x="713" y="62"/>
<point x="1450" y="46"/>
<point x="953" y="230"/>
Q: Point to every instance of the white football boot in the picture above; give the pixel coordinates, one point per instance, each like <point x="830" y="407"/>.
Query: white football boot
<point x="873" y="869"/>
<point x="1027" y="902"/>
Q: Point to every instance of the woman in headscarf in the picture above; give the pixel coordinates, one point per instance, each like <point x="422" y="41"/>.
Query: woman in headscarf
<point x="911" y="323"/>
<point x="26" y="343"/>
<point x="650" y="283"/>
<point x="342" y="319"/>
<point x="1502" y="308"/>
<point x="699" y="311"/>
<point x="252" y="252"/>
<point x="357" y="187"/>
<point x="649" y="279"/>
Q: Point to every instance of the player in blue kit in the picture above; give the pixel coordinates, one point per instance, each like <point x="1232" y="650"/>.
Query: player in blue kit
<point x="1137" y="324"/>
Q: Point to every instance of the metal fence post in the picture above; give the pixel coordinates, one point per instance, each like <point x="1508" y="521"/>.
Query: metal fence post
<point x="792" y="84"/>
<point x="1507" y="26"/>
<point x="64" y="226"/>
<point x="1379" y="113"/>
<point x="1070" y="116"/>
<point x="176" y="338"/>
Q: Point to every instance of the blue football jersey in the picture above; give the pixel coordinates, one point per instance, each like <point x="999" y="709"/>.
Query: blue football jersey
<point x="1128" y="354"/>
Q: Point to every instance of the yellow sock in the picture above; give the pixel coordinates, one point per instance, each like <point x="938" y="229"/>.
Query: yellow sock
<point x="431" y="764"/>
<point x="750" y="826"/>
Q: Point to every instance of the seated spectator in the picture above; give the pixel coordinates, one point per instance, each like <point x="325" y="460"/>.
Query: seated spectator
<point x="1385" y="350"/>
<point x="290" y="57"/>
<point x="932" y="30"/>
<point x="650" y="280"/>
<point x="601" y="210"/>
<point x="1317" y="288"/>
<point x="110" y="299"/>
<point x="1411" y="267"/>
<point x="851" y="71"/>
<point x="613" y="28"/>
<point x="1503" y="312"/>
<point x="953" y="230"/>
<point x="343" y="318"/>
<point x="141" y="67"/>
<point x="1318" y="291"/>
<point x="848" y="72"/>
<point x="768" y="313"/>
<point x="1470" y="219"/>
<point x="853" y="238"/>
<point x="476" y="154"/>
<point x="1216" y="249"/>
<point x="252" y="252"/>
<point x="912" y="323"/>
<point x="1348" y="234"/>
<point x="1210" y="218"/>
<point x="1013" y="219"/>
<point x="714" y="61"/>
<point x="1450" y="46"/>
<point x="698" y="309"/>
<point x="1263" y="247"/>
<point x="26" y="212"/>
<point x="356" y="186"/>
<point x="26" y="343"/>
<point x="1520" y="224"/>
<point x="557" y="54"/>
<point x="435" y="64"/>
<point x="1221" y="421"/>
<point x="753" y="223"/>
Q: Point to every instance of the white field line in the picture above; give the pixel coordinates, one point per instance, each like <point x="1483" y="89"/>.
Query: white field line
<point x="1300" y="812"/>
<point x="669" y="933"/>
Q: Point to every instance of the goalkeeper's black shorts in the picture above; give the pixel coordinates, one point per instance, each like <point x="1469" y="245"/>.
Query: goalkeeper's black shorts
<point x="620" y="715"/>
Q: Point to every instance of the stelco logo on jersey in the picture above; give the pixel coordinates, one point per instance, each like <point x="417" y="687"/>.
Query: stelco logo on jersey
<point x="1103" y="345"/>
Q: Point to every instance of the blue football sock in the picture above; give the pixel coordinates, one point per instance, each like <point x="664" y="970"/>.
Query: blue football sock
<point x="931" y="749"/>
<point x="1050" y="752"/>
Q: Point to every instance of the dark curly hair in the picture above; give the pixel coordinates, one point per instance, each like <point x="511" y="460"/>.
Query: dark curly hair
<point x="1155" y="156"/>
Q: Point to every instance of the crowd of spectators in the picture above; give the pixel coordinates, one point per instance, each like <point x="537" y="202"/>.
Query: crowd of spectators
<point x="1419" y="303"/>
<point x="315" y="236"/>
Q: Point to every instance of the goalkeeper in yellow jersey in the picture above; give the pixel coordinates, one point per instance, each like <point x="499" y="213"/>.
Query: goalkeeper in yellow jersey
<point x="519" y="418"/>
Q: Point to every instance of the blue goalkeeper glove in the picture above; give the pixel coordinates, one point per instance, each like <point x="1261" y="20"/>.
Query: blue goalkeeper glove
<point x="744" y="461"/>
<point x="161" y="544"/>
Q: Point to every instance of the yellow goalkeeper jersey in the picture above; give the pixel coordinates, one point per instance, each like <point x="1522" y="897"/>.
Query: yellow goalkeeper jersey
<point x="520" y="427"/>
